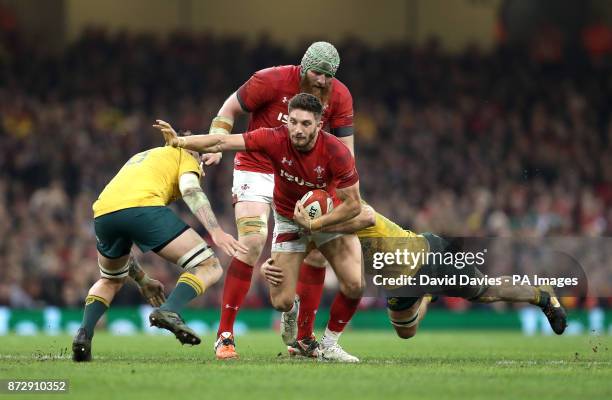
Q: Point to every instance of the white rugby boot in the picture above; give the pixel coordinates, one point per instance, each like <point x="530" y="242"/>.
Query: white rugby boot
<point x="335" y="353"/>
<point x="288" y="323"/>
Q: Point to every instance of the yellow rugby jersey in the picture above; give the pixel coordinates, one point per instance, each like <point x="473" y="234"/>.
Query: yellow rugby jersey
<point x="384" y="227"/>
<point x="388" y="237"/>
<point x="150" y="178"/>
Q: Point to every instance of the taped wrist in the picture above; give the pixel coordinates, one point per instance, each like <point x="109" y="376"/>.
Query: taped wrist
<point x="142" y="281"/>
<point x="221" y="126"/>
<point x="177" y="142"/>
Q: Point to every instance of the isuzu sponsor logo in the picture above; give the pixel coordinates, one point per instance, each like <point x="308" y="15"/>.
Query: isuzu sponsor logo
<point x="300" y="181"/>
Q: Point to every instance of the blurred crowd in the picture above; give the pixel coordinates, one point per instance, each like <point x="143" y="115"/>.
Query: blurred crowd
<point x="497" y="143"/>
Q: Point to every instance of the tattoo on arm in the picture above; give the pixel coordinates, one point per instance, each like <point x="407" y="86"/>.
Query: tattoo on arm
<point x="200" y="206"/>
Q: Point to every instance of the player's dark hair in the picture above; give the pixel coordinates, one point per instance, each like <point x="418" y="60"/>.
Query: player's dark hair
<point x="306" y="102"/>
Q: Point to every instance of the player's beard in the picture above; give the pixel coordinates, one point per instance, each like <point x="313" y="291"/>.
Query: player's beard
<point x="306" y="146"/>
<point x="322" y="93"/>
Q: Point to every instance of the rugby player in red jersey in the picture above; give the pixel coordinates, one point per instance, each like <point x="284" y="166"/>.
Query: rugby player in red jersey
<point x="265" y="96"/>
<point x="303" y="158"/>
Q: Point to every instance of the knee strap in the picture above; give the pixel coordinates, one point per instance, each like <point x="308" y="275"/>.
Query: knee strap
<point x="252" y="226"/>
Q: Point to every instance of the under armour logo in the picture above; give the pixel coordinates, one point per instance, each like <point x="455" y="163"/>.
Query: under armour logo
<point x="232" y="307"/>
<point x="285" y="161"/>
<point x="285" y="100"/>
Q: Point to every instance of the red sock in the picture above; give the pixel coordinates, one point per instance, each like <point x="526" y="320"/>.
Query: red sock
<point x="342" y="310"/>
<point x="235" y="289"/>
<point x="309" y="288"/>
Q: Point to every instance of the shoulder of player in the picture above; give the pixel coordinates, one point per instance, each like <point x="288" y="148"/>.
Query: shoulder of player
<point x="340" y="100"/>
<point x="173" y="152"/>
<point x="341" y="90"/>
<point x="164" y="150"/>
<point x="169" y="150"/>
<point x="166" y="153"/>
<point x="333" y="145"/>
<point x="277" y="73"/>
<point x="330" y="140"/>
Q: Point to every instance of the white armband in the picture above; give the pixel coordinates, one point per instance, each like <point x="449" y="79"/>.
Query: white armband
<point x="190" y="184"/>
<point x="188" y="181"/>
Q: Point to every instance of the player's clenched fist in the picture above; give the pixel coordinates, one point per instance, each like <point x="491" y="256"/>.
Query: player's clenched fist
<point x="301" y="217"/>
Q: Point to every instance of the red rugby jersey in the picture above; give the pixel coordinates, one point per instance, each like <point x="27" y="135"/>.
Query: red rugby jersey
<point x="266" y="96"/>
<point x="328" y="165"/>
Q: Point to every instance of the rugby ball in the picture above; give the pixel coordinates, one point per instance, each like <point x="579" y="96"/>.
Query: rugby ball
<point x="316" y="203"/>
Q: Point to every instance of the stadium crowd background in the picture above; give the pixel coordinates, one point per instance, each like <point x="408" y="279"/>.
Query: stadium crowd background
<point x="512" y="142"/>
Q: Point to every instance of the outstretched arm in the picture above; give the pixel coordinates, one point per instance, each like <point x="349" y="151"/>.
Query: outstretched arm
<point x="201" y="143"/>
<point x="198" y="203"/>
<point x="365" y="219"/>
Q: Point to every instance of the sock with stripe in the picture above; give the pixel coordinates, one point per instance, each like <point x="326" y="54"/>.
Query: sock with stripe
<point x="541" y="298"/>
<point x="95" y="307"/>
<point x="309" y="289"/>
<point x="187" y="288"/>
<point x="235" y="289"/>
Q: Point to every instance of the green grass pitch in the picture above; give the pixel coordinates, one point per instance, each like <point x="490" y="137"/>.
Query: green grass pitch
<point x="449" y="365"/>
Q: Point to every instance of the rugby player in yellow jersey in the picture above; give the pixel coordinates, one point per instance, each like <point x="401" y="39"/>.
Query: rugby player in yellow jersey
<point x="132" y="209"/>
<point x="379" y="234"/>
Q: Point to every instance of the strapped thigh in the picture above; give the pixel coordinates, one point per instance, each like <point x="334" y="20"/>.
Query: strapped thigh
<point x="412" y="320"/>
<point x="121" y="273"/>
<point x="195" y="256"/>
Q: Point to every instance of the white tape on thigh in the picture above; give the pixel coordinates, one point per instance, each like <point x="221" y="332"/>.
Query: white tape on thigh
<point x="195" y="256"/>
<point x="122" y="273"/>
